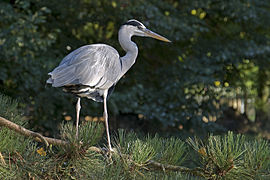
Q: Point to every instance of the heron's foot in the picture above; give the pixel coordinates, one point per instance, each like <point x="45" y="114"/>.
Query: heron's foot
<point x="108" y="150"/>
<point x="112" y="149"/>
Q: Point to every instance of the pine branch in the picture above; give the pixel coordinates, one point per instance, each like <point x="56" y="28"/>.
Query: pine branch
<point x="196" y="171"/>
<point x="46" y="140"/>
<point x="36" y="136"/>
<point x="149" y="163"/>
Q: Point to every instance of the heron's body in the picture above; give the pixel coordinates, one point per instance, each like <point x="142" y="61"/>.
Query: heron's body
<point x="92" y="71"/>
<point x="88" y="71"/>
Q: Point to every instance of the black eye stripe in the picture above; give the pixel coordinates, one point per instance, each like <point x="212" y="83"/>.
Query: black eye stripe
<point x="134" y="23"/>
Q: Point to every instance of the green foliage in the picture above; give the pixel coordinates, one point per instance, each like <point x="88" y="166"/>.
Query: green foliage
<point x="10" y="141"/>
<point x="171" y="151"/>
<point x="218" y="157"/>
<point x="168" y="151"/>
<point x="32" y="164"/>
<point x="230" y="157"/>
<point x="90" y="133"/>
<point x="257" y="157"/>
<point x="141" y="152"/>
<point x="224" y="41"/>
<point x="91" y="166"/>
<point x="227" y="157"/>
<point x="227" y="42"/>
<point x="6" y="172"/>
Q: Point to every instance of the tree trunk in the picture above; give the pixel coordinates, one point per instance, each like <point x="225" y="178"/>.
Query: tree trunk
<point x="263" y="95"/>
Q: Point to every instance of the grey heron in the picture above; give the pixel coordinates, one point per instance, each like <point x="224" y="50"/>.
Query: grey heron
<point x="92" y="71"/>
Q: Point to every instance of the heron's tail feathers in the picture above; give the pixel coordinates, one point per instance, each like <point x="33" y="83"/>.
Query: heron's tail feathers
<point x="49" y="81"/>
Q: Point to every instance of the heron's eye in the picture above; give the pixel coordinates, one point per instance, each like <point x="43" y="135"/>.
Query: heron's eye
<point x="140" y="27"/>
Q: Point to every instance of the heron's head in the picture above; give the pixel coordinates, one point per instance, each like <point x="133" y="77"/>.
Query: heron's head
<point x="137" y="28"/>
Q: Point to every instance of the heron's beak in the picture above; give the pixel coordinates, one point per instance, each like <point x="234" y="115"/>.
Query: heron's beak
<point x="155" y="35"/>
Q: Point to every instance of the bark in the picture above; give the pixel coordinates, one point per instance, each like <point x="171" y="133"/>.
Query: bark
<point x="37" y="136"/>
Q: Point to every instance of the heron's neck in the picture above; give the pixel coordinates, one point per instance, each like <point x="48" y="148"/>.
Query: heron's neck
<point x="130" y="47"/>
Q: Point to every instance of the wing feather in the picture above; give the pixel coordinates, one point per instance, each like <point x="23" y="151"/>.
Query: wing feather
<point x="93" y="65"/>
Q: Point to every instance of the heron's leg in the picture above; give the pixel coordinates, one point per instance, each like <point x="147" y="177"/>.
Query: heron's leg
<point x="78" y="108"/>
<point x="106" y="119"/>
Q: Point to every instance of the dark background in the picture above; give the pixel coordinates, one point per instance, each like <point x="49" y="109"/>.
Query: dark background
<point x="214" y="77"/>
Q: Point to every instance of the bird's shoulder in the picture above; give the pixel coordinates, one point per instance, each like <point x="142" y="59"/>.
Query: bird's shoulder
<point x="102" y="47"/>
<point x="93" y="52"/>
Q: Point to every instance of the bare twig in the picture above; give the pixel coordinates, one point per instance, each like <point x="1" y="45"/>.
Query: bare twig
<point x="196" y="171"/>
<point x="37" y="136"/>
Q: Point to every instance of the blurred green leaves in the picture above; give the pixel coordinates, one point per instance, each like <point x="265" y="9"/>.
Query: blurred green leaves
<point x="170" y="83"/>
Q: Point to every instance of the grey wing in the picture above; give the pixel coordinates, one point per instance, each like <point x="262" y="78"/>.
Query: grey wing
<point x="95" y="65"/>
